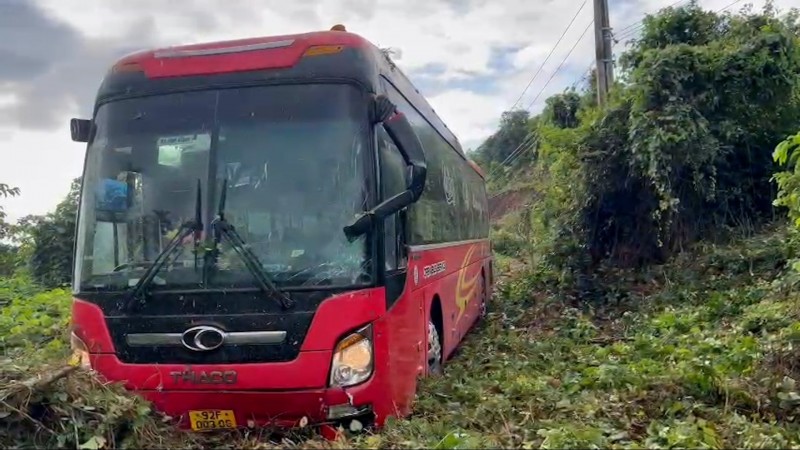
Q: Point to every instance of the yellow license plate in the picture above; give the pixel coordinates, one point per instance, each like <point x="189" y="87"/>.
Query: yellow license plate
<point x="212" y="419"/>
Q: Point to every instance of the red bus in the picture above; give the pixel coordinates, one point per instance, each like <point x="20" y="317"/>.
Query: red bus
<point x="274" y="231"/>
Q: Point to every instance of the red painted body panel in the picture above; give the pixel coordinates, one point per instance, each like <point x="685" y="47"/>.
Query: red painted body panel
<point x="342" y="314"/>
<point x="457" y="285"/>
<point x="405" y="348"/>
<point x="290" y="386"/>
<point x="308" y="370"/>
<point x="264" y="408"/>
<point x="283" y="393"/>
<point x="273" y="58"/>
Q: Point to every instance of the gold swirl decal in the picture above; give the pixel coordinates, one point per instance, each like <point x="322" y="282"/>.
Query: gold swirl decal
<point x="465" y="289"/>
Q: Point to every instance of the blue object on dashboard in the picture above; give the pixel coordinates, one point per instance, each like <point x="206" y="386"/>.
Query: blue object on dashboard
<point x="111" y="195"/>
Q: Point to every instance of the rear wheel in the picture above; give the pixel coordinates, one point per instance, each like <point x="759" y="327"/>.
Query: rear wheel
<point x="484" y="307"/>
<point x="435" y="362"/>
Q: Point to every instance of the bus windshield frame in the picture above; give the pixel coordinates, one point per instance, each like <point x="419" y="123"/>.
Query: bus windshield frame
<point x="149" y="155"/>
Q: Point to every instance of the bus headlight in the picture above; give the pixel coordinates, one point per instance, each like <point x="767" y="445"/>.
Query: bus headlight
<point x="80" y="352"/>
<point x="352" y="359"/>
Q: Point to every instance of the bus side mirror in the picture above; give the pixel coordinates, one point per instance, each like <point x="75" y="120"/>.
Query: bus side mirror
<point x="407" y="141"/>
<point x="80" y="129"/>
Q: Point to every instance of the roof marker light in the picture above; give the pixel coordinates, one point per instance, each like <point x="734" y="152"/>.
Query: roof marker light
<point x="222" y="50"/>
<point x="130" y="66"/>
<point x="323" y="50"/>
<point x="338" y="27"/>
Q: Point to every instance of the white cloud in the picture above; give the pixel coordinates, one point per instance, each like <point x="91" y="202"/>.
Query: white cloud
<point x="8" y="99"/>
<point x="471" y="112"/>
<point x="427" y="32"/>
<point x="42" y="165"/>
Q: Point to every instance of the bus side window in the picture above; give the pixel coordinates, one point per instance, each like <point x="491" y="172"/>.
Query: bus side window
<point x="393" y="168"/>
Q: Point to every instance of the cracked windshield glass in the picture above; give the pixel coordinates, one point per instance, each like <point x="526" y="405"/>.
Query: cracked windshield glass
<point x="293" y="160"/>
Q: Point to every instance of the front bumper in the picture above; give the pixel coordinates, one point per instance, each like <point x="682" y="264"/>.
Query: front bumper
<point x="266" y="395"/>
<point x="286" y="409"/>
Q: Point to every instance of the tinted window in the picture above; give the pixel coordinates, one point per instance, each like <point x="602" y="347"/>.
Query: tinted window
<point x="453" y="204"/>
<point x="392" y="168"/>
<point x="293" y="159"/>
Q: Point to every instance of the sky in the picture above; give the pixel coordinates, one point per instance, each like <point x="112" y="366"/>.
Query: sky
<point x="472" y="59"/>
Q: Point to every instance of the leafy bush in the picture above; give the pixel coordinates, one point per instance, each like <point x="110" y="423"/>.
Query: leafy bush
<point x="5" y="192"/>
<point x="681" y="151"/>
<point x="697" y="353"/>
<point x="788" y="180"/>
<point x="32" y="319"/>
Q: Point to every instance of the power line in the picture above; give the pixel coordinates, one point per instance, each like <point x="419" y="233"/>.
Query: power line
<point x="640" y="24"/>
<point x="528" y="143"/>
<point x="531" y="138"/>
<point x="723" y="9"/>
<point x="552" y="50"/>
<point x="631" y="25"/>
<point x="634" y="27"/>
<point x="562" y="63"/>
<point x="587" y="73"/>
<point x="531" y="135"/>
<point x="511" y="156"/>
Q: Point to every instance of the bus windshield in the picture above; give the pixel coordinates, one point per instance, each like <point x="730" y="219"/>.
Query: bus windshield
<point x="293" y="157"/>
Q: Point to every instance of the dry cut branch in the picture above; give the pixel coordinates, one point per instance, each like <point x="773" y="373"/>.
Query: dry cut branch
<point x="16" y="393"/>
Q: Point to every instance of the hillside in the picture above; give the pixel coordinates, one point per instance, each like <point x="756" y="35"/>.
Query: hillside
<point x="682" y="150"/>
<point x="700" y="352"/>
<point x="649" y="280"/>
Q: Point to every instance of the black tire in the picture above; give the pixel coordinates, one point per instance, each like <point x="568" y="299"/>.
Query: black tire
<point x="435" y="352"/>
<point x="484" y="306"/>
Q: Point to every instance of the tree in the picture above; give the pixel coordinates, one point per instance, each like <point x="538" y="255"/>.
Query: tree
<point x="5" y="192"/>
<point x="8" y="254"/>
<point x="684" y="149"/>
<point x="786" y="154"/>
<point x="513" y="131"/>
<point x="52" y="239"/>
<point x="561" y="110"/>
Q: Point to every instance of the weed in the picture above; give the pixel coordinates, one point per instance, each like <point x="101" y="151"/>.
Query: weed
<point x="701" y="352"/>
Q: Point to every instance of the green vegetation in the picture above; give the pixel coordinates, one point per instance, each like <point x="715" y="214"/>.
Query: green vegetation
<point x="681" y="152"/>
<point x="695" y="354"/>
<point x="699" y="353"/>
<point x="649" y="282"/>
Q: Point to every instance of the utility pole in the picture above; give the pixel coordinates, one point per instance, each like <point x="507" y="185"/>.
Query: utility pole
<point x="604" y="59"/>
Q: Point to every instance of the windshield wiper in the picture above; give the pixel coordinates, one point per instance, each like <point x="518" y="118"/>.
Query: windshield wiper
<point x="184" y="230"/>
<point x="222" y="228"/>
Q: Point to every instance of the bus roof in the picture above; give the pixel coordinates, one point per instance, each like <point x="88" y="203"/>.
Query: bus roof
<point x="277" y="52"/>
<point x="406" y="87"/>
<point x="236" y="55"/>
<point x="403" y="84"/>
